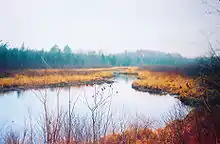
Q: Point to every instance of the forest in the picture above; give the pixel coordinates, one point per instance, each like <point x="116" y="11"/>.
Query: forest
<point x="23" y="58"/>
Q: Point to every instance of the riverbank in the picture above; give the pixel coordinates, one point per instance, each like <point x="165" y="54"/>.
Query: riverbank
<point x="162" y="82"/>
<point x="187" y="89"/>
<point x="35" y="79"/>
<point x="198" y="127"/>
<point x="61" y="84"/>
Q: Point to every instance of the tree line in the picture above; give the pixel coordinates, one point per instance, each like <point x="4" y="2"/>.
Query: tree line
<point x="23" y="58"/>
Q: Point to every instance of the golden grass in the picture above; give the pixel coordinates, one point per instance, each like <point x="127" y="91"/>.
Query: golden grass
<point x="172" y="83"/>
<point x="64" y="72"/>
<point x="81" y="69"/>
<point x="40" y="77"/>
<point x="129" y="71"/>
<point x="23" y="80"/>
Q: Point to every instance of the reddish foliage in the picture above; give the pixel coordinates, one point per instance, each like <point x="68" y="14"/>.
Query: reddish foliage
<point x="203" y="127"/>
<point x="199" y="127"/>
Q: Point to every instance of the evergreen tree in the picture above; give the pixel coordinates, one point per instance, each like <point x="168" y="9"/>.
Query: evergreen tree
<point x="67" y="50"/>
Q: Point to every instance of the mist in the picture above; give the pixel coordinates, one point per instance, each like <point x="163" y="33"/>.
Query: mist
<point x="111" y="26"/>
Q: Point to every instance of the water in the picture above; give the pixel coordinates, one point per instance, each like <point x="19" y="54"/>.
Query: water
<point x="17" y="107"/>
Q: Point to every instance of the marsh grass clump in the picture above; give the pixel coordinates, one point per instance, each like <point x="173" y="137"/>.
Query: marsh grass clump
<point x="169" y="82"/>
<point x="52" y="77"/>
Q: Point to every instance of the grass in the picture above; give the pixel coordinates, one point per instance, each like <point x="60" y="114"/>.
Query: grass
<point x="129" y="71"/>
<point x="170" y="82"/>
<point x="64" y="72"/>
<point x="198" y="127"/>
<point x="55" y="76"/>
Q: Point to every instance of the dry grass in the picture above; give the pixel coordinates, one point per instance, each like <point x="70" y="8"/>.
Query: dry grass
<point x="170" y="82"/>
<point x="129" y="71"/>
<point x="198" y="127"/>
<point x="64" y="72"/>
<point x="47" y="77"/>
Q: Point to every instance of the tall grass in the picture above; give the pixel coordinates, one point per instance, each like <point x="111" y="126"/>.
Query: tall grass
<point x="172" y="83"/>
<point x="22" y="80"/>
<point x="44" y="77"/>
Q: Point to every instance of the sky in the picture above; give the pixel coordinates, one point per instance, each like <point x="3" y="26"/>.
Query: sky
<point x="180" y="26"/>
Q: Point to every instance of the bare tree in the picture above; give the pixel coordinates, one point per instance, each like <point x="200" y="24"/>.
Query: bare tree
<point x="100" y="112"/>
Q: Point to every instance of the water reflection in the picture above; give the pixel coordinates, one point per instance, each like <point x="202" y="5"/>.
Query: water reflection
<point x="19" y="93"/>
<point x="126" y="78"/>
<point x="53" y="89"/>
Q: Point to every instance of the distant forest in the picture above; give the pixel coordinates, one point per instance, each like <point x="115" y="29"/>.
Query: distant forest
<point x="23" y="58"/>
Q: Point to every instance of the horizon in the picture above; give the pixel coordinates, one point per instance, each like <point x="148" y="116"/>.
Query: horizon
<point x="92" y="50"/>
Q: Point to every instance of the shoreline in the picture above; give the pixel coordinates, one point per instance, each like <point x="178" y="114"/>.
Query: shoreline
<point x="186" y="100"/>
<point x="56" y="85"/>
<point x="149" y="90"/>
<point x="189" y="101"/>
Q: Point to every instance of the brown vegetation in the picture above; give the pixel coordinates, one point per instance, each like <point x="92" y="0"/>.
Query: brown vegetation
<point x="199" y="127"/>
<point x="169" y="82"/>
<point x="53" y="77"/>
<point x="20" y="80"/>
<point x="64" y="72"/>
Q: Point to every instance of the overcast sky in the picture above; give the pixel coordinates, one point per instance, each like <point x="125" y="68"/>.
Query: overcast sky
<point x="110" y="25"/>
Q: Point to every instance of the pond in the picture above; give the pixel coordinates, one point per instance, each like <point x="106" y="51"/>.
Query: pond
<point x="16" y="107"/>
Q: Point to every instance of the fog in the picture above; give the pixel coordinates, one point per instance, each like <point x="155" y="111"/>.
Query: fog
<point x="182" y="26"/>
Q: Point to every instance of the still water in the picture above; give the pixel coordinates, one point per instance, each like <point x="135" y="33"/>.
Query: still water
<point x="17" y="107"/>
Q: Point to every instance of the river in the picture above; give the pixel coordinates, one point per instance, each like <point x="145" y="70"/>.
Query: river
<point x="17" y="107"/>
